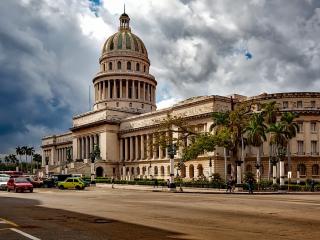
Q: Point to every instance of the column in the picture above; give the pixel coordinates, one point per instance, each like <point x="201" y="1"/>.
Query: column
<point x="148" y="147"/>
<point x="131" y="148"/>
<point x="160" y="147"/>
<point x="102" y="89"/>
<point x="154" y="148"/>
<point x="106" y="89"/>
<point x="120" y="88"/>
<point x="142" y="147"/>
<point x="137" y="147"/>
<point x="147" y="93"/>
<point x="167" y="136"/>
<point x="126" y="149"/>
<point x="82" y="148"/>
<point x="91" y="143"/>
<point x="114" y="88"/>
<point x="151" y="95"/>
<point x="121" y="149"/>
<point x="139" y="89"/>
<point x="127" y="89"/>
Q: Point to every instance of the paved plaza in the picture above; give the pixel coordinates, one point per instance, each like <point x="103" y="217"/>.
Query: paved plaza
<point x="105" y="213"/>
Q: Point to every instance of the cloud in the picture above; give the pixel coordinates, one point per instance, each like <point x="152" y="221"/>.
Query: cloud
<point x="49" y="53"/>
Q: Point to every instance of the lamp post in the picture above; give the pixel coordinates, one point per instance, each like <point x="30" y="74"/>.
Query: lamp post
<point x="124" y="171"/>
<point x="47" y="166"/>
<point x="171" y="153"/>
<point x="210" y="169"/>
<point x="150" y="170"/>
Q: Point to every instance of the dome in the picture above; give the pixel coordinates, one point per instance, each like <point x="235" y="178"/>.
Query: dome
<point x="124" y="39"/>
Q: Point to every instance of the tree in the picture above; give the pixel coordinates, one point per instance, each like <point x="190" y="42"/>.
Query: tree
<point x="30" y="152"/>
<point x="19" y="153"/>
<point x="270" y="111"/>
<point x="256" y="135"/>
<point x="291" y="129"/>
<point x="280" y="141"/>
<point x="24" y="151"/>
<point x="37" y="158"/>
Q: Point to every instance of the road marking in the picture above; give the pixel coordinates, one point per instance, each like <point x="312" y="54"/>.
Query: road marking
<point x="4" y="221"/>
<point x="24" y="234"/>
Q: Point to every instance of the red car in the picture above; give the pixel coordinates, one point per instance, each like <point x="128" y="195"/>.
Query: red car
<point x="19" y="185"/>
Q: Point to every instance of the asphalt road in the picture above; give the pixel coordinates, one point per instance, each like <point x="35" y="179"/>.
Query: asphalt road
<point x="128" y="214"/>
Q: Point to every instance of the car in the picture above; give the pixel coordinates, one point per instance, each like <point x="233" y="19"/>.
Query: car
<point x="4" y="178"/>
<point x="19" y="184"/>
<point x="49" y="183"/>
<point x="72" y="182"/>
<point x="36" y="183"/>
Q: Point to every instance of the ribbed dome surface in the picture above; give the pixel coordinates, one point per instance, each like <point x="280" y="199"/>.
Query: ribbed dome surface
<point x="124" y="40"/>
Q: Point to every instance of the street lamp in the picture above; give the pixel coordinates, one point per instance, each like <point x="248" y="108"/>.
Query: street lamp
<point x="210" y="168"/>
<point x="150" y="169"/>
<point x="171" y="153"/>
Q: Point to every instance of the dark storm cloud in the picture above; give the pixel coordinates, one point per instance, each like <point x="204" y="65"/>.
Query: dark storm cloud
<point x="46" y="67"/>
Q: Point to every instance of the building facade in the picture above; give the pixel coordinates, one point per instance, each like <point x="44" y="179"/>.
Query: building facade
<point x="124" y="120"/>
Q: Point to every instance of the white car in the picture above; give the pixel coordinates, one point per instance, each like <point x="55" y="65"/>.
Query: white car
<point x="4" y="178"/>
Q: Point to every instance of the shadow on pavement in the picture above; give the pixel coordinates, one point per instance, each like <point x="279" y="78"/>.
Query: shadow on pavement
<point x="47" y="223"/>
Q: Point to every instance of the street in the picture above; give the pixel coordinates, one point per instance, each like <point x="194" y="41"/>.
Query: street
<point x="105" y="213"/>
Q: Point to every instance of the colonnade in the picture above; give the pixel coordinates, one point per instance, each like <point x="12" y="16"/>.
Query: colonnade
<point x="142" y="147"/>
<point x="61" y="154"/>
<point x="85" y="145"/>
<point x="124" y="88"/>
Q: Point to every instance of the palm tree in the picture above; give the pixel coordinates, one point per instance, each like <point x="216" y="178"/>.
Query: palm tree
<point x="280" y="141"/>
<point x="24" y="151"/>
<point x="37" y="158"/>
<point x="30" y="152"/>
<point x="256" y="135"/>
<point x="19" y="153"/>
<point x="291" y="129"/>
<point x="270" y="111"/>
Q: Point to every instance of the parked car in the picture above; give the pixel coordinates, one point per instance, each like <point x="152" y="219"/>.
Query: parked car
<point x="35" y="183"/>
<point x="72" y="182"/>
<point x="4" y="178"/>
<point x="19" y="184"/>
<point x="49" y="183"/>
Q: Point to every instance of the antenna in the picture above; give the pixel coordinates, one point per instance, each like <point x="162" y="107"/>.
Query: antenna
<point x="89" y="98"/>
<point x="124" y="8"/>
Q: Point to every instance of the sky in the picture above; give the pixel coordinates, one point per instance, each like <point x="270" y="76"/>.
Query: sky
<point x="49" y="53"/>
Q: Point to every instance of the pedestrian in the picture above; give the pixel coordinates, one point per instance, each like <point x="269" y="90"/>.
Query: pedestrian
<point x="250" y="185"/>
<point x="155" y="183"/>
<point x="312" y="185"/>
<point x="168" y="183"/>
<point x="229" y="185"/>
<point x="112" y="182"/>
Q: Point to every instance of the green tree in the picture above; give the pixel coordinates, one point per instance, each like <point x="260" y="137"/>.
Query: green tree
<point x="291" y="129"/>
<point x="30" y="152"/>
<point x="37" y="159"/>
<point x="256" y="136"/>
<point x="19" y="153"/>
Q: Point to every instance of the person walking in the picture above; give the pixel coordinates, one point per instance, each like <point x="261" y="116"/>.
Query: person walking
<point x="112" y="183"/>
<point x="229" y="185"/>
<point x="250" y="185"/>
<point x="156" y="183"/>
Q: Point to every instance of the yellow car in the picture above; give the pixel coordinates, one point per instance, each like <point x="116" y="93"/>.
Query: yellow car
<point x="72" y="182"/>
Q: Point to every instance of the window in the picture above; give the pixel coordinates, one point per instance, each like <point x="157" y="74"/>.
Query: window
<point x="117" y="104"/>
<point x="315" y="169"/>
<point x="313" y="104"/>
<point x="129" y="65"/>
<point x="138" y="67"/>
<point x="119" y="65"/>
<point x="130" y="104"/>
<point x="300" y="148"/>
<point x="285" y="105"/>
<point x="302" y="169"/>
<point x="70" y="180"/>
<point x="110" y="65"/>
<point x="75" y="180"/>
<point x="144" y="68"/>
<point x="314" y="148"/>
<point x="299" y="104"/>
<point x="229" y="169"/>
<point x="300" y="127"/>
<point x="142" y="105"/>
<point x="248" y="168"/>
<point x="313" y="127"/>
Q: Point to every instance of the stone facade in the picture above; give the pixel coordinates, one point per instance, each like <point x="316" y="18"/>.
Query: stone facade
<point x="124" y="122"/>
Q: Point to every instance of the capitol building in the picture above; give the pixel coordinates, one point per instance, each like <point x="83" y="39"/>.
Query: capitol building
<point x="124" y="122"/>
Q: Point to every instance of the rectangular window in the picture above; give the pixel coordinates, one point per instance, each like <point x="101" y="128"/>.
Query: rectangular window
<point x="300" y="148"/>
<point x="299" y="104"/>
<point x="314" y="148"/>
<point x="285" y="105"/>
<point x="313" y="127"/>
<point x="300" y="127"/>
<point x="313" y="104"/>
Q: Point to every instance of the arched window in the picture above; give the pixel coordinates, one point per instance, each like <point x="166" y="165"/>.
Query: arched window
<point x="286" y="168"/>
<point x="162" y="170"/>
<point x="200" y="170"/>
<point x="183" y="171"/>
<point x="137" y="67"/>
<point x="138" y="171"/>
<point x="229" y="169"/>
<point x="119" y="65"/>
<point x="110" y="65"/>
<point x="191" y="171"/>
<point x="315" y="169"/>
<point x="144" y="68"/>
<point x="156" y="171"/>
<point x="248" y="168"/>
<point x="142" y="105"/>
<point x="261" y="169"/>
<point x="302" y="169"/>
<point x="132" y="171"/>
<point x="168" y="170"/>
<point x="127" y="171"/>
<point x="129" y="65"/>
<point x="144" y="169"/>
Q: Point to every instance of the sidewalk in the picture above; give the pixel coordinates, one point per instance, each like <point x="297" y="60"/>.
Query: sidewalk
<point x="193" y="190"/>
